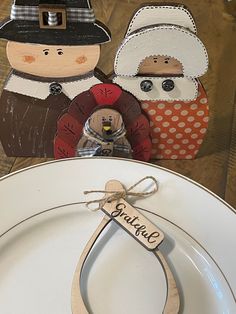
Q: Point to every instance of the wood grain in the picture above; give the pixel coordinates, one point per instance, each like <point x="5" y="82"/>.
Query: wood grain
<point x="160" y="65"/>
<point x="172" y="301"/>
<point x="131" y="220"/>
<point x="230" y="194"/>
<point x="58" y="61"/>
<point x="77" y="303"/>
<point x="215" y="165"/>
<point x="6" y="163"/>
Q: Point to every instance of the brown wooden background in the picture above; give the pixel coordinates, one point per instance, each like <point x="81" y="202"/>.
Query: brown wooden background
<point x="215" y="166"/>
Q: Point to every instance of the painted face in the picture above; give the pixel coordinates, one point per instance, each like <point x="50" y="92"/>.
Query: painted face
<point x="106" y="121"/>
<point x="52" y="61"/>
<point x="161" y="66"/>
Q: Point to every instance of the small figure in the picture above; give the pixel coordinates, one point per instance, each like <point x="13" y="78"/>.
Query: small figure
<point x="159" y="62"/>
<point x="53" y="48"/>
<point x="104" y="135"/>
<point x="104" y="121"/>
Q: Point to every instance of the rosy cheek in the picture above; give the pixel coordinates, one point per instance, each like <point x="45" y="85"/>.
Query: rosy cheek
<point x="81" y="60"/>
<point x="29" y="59"/>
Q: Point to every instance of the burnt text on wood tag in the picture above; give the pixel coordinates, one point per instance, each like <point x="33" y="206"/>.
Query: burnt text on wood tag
<point x="130" y="219"/>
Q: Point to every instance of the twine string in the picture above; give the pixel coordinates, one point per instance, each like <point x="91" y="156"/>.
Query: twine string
<point x="116" y="195"/>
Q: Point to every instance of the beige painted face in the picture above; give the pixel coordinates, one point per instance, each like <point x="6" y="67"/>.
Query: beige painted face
<point x="103" y="118"/>
<point x="160" y="65"/>
<point x="52" y="61"/>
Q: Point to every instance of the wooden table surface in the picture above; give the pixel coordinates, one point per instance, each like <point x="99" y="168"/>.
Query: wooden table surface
<point x="215" y="166"/>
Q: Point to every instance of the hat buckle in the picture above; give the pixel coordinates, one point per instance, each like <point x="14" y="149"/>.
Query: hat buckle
<point x="52" y="17"/>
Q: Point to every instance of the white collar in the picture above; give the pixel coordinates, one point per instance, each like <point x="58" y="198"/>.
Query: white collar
<point x="186" y="89"/>
<point x="40" y="90"/>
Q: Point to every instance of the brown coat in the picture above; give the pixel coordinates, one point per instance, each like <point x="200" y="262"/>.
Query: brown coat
<point x="28" y="125"/>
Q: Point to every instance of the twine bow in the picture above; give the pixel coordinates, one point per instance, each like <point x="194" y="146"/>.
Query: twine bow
<point x="116" y="195"/>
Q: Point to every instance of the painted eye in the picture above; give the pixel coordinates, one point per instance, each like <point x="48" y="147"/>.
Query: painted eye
<point x="46" y="53"/>
<point x="60" y="53"/>
<point x="155" y="60"/>
<point x="110" y="118"/>
<point x="103" y="119"/>
<point x="166" y="61"/>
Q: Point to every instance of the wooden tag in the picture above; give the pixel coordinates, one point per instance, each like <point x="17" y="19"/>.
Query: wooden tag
<point x="131" y="220"/>
<point x="172" y="299"/>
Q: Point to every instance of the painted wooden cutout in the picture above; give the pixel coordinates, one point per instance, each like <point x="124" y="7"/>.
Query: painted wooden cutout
<point x="80" y="131"/>
<point x="53" y="50"/>
<point x="104" y="135"/>
<point x="159" y="62"/>
<point x="78" y="305"/>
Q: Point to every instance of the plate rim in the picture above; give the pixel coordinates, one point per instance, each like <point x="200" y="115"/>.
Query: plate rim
<point x="186" y="179"/>
<point x="230" y="207"/>
<point x="49" y="210"/>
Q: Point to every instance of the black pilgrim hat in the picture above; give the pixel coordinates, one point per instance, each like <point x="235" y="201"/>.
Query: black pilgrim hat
<point x="64" y="22"/>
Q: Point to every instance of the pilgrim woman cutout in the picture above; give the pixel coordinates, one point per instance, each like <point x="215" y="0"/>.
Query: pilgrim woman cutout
<point x="53" y="48"/>
<point x="159" y="62"/>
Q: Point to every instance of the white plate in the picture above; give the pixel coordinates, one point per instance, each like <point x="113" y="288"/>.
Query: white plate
<point x="38" y="257"/>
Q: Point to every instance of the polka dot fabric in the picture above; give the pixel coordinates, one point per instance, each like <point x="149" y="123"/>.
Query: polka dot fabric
<point x="177" y="127"/>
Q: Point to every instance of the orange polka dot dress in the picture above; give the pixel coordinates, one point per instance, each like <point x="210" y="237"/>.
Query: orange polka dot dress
<point x="177" y="127"/>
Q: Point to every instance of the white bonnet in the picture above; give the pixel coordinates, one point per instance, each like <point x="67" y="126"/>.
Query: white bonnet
<point x="162" y="30"/>
<point x="162" y="14"/>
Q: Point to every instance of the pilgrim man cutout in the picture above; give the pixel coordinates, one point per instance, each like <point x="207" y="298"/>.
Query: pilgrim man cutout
<point x="104" y="121"/>
<point x="53" y="48"/>
<point x="159" y="62"/>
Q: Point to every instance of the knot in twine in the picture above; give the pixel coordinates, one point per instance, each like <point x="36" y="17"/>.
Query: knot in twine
<point x="116" y="195"/>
